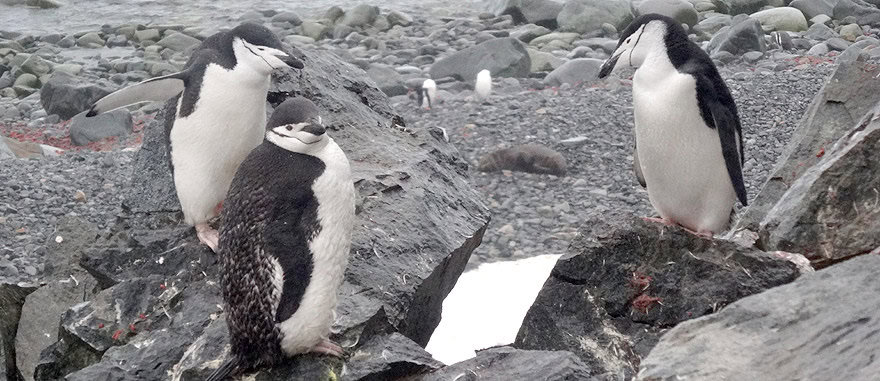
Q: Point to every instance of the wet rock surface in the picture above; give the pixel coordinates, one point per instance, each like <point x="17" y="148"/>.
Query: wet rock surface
<point x="623" y="283"/>
<point x="823" y="325"/>
<point x="160" y="293"/>
<point x="507" y="363"/>
<point x="503" y="57"/>
<point x="831" y="212"/>
<point x="846" y="96"/>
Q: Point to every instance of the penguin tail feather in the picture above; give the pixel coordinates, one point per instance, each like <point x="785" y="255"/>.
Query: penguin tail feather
<point x="230" y="368"/>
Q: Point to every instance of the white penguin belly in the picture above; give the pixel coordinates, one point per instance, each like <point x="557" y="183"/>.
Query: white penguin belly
<point x="680" y="157"/>
<point x="208" y="145"/>
<point x="330" y="248"/>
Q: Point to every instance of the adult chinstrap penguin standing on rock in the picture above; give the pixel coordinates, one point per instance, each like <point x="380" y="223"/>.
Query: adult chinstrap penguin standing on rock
<point x="217" y="116"/>
<point x="285" y="240"/>
<point x="689" y="150"/>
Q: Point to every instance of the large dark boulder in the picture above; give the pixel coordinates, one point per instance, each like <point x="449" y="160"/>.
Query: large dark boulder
<point x="12" y="296"/>
<point x="418" y="221"/>
<point x="679" y="10"/>
<point x="539" y="12"/>
<point x="848" y="94"/>
<point x="66" y="95"/>
<point x="388" y="80"/>
<point x="506" y="363"/>
<point x="744" y="35"/>
<point x="621" y="283"/>
<point x="65" y="284"/>
<point x="579" y="71"/>
<point x="832" y="212"/>
<point x="585" y="16"/>
<point x="86" y="130"/>
<point x="821" y="327"/>
<point x="503" y="57"/>
<point x="864" y="12"/>
<point x="813" y="8"/>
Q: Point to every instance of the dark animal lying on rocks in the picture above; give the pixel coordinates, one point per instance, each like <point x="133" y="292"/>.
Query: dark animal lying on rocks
<point x="532" y="158"/>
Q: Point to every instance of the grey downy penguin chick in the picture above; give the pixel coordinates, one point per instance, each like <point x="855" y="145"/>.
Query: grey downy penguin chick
<point x="285" y="241"/>
<point x="689" y="150"/>
<point x="217" y="117"/>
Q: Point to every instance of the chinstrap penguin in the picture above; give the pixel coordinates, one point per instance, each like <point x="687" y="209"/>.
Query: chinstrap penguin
<point x="689" y="150"/>
<point x="427" y="93"/>
<point x="483" y="84"/>
<point x="285" y="241"/>
<point x="216" y="117"/>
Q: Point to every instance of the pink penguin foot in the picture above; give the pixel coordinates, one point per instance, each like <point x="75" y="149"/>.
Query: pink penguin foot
<point x="328" y="347"/>
<point x="208" y="235"/>
<point x="702" y="233"/>
<point x="659" y="221"/>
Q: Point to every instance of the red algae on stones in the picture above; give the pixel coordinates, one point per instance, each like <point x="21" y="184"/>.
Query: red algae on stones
<point x="58" y="135"/>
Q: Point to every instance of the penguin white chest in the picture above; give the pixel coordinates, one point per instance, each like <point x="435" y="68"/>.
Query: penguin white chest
<point x="208" y="145"/>
<point x="680" y="156"/>
<point x="335" y="193"/>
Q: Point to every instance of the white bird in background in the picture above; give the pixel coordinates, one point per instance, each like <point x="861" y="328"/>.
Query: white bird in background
<point x="483" y="85"/>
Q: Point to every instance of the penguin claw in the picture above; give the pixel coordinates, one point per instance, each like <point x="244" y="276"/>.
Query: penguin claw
<point x="208" y="236"/>
<point x="702" y="233"/>
<point x="328" y="347"/>
<point x="658" y="220"/>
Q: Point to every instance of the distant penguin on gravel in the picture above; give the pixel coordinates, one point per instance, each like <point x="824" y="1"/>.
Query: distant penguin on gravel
<point x="427" y="94"/>
<point x="689" y="150"/>
<point x="483" y="84"/>
<point x="284" y="244"/>
<point x="217" y="117"/>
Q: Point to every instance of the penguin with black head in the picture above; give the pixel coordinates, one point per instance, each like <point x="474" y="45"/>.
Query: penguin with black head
<point x="285" y="240"/>
<point x="689" y="150"/>
<point x="217" y="114"/>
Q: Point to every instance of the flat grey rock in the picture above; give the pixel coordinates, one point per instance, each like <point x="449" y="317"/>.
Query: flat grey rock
<point x="821" y="327"/>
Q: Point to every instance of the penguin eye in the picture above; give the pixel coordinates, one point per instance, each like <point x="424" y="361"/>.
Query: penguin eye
<point x="289" y="127"/>
<point x="627" y="40"/>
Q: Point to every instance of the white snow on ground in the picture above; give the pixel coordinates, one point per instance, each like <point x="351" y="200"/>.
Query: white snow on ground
<point x="487" y="306"/>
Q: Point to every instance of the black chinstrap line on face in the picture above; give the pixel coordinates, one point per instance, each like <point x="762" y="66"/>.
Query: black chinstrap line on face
<point x="634" y="46"/>
<point x="294" y="137"/>
<point x="258" y="55"/>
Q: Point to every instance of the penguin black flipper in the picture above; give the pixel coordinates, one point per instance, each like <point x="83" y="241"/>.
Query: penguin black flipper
<point x="718" y="111"/>
<point x="637" y="167"/>
<point x="286" y="239"/>
<point x="162" y="88"/>
<point x="230" y="368"/>
<point x="152" y="90"/>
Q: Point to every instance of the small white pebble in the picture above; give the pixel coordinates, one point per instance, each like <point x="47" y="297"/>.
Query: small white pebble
<point x="59" y="239"/>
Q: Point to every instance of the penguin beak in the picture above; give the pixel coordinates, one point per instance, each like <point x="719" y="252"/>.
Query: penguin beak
<point x="291" y="61"/>
<point x="316" y="129"/>
<point x="608" y="66"/>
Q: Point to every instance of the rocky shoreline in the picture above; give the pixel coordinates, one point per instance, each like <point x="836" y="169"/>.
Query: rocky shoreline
<point x="794" y="68"/>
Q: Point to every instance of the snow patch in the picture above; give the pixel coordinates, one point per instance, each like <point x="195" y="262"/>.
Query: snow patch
<point x="487" y="306"/>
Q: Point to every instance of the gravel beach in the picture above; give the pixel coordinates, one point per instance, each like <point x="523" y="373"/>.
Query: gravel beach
<point x="533" y="214"/>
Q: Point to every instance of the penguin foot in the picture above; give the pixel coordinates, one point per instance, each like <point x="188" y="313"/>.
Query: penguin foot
<point x="328" y="347"/>
<point x="702" y="233"/>
<point x="208" y="235"/>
